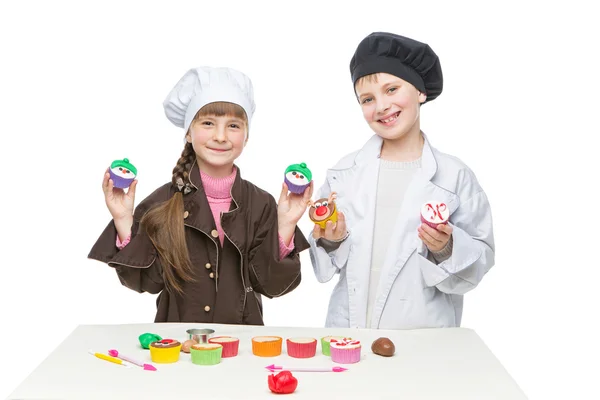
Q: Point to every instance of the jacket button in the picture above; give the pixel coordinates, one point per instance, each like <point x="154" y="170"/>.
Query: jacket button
<point x="212" y="275"/>
<point x="207" y="308"/>
<point x="214" y="233"/>
<point x="186" y="214"/>
<point x="207" y="266"/>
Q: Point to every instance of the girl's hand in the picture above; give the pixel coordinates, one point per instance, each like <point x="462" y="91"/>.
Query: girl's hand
<point x="292" y="206"/>
<point x="333" y="231"/>
<point x="120" y="205"/>
<point x="435" y="240"/>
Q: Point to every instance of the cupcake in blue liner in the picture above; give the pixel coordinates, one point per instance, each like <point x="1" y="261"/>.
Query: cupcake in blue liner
<point x="297" y="177"/>
<point x="122" y="172"/>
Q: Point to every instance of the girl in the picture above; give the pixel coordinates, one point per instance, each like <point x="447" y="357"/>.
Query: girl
<point x="209" y="242"/>
<point x="394" y="271"/>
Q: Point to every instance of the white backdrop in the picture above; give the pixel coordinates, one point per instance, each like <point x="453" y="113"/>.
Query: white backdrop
<point x="82" y="84"/>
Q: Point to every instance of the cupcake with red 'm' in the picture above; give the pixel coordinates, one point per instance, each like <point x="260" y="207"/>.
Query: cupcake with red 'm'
<point x="206" y="353"/>
<point x="345" y="351"/>
<point x="301" y="347"/>
<point x="434" y="213"/>
<point x="230" y="345"/>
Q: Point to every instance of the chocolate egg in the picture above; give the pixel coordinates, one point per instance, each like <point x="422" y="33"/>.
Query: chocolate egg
<point x="185" y="347"/>
<point x="383" y="347"/>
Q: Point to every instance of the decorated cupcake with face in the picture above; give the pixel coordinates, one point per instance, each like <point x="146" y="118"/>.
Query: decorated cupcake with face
<point x="323" y="210"/>
<point x="165" y="351"/>
<point x="122" y="173"/>
<point x="297" y="177"/>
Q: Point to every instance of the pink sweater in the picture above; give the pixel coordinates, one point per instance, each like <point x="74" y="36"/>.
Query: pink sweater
<point x="218" y="194"/>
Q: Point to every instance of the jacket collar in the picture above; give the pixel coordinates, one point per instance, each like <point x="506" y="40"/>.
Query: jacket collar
<point x="196" y="204"/>
<point x="195" y="180"/>
<point x="371" y="151"/>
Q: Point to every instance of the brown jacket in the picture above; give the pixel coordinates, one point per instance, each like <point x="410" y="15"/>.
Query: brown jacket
<point x="229" y="279"/>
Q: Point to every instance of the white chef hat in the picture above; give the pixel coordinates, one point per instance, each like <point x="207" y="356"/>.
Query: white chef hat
<point x="203" y="85"/>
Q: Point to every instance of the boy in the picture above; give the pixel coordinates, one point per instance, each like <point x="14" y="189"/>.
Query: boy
<point x="396" y="272"/>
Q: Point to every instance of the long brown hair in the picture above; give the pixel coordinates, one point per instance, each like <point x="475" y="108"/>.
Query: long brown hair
<point x="164" y="223"/>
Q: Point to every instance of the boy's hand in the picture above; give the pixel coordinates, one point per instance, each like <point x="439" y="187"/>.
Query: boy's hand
<point x="333" y="231"/>
<point x="435" y="239"/>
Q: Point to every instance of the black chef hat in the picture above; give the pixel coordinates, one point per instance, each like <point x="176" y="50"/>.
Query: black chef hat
<point x="400" y="56"/>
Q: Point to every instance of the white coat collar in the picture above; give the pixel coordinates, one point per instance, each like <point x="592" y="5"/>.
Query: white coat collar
<point x="371" y="151"/>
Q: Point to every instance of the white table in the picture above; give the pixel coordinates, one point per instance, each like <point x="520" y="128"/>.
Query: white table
<point x="428" y="364"/>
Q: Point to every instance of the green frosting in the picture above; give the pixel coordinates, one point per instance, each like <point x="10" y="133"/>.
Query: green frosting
<point x="300" y="168"/>
<point x="125" y="164"/>
<point x="147" y="338"/>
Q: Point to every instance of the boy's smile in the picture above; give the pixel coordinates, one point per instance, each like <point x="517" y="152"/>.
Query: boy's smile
<point x="390" y="105"/>
<point x="390" y="119"/>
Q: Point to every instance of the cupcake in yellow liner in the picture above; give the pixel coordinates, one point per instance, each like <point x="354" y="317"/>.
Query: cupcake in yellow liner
<point x="206" y="353"/>
<point x="165" y="351"/>
<point x="323" y="210"/>
<point x="326" y="342"/>
<point x="266" y="346"/>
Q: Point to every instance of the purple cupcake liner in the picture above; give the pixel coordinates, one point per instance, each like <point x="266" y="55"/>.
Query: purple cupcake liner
<point x="345" y="356"/>
<point x="119" y="181"/>
<point x="298" y="189"/>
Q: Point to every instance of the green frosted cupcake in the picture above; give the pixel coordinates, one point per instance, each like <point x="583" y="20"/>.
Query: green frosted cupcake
<point x="206" y="353"/>
<point x="325" y="344"/>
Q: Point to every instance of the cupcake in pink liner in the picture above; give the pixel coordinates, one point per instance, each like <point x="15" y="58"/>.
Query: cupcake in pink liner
<point x="434" y="213"/>
<point x="345" y="351"/>
<point x="302" y="347"/>
<point x="230" y="345"/>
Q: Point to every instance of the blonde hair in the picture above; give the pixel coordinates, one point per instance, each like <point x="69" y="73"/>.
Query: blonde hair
<point x="371" y="78"/>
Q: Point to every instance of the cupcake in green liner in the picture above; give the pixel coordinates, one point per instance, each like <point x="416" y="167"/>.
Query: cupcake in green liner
<point x="206" y="353"/>
<point x="325" y="344"/>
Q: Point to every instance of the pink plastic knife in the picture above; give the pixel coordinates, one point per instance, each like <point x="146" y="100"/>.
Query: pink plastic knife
<point x="274" y="368"/>
<point x="147" y="367"/>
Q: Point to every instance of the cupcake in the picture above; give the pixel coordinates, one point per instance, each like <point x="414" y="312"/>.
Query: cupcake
<point x="323" y="210"/>
<point x="434" y="213"/>
<point x="301" y="347"/>
<point x="297" y="177"/>
<point x="206" y="353"/>
<point x="122" y="173"/>
<point x="325" y="343"/>
<point x="266" y="346"/>
<point x="346" y="351"/>
<point x="165" y="351"/>
<point x="230" y="345"/>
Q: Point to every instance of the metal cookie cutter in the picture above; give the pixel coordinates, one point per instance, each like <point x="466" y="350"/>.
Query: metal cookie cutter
<point x="200" y="335"/>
